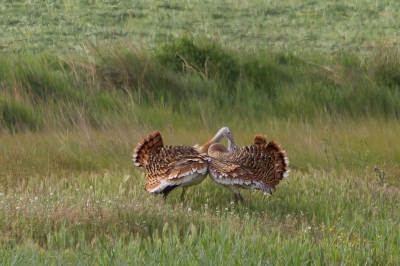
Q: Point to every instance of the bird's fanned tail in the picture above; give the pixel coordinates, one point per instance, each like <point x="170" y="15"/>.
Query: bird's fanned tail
<point x="147" y="146"/>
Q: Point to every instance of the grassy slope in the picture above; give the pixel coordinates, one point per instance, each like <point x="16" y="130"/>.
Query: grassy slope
<point x="70" y="194"/>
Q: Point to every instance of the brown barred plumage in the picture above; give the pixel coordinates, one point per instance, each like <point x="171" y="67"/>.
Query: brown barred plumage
<point x="169" y="167"/>
<point x="258" y="166"/>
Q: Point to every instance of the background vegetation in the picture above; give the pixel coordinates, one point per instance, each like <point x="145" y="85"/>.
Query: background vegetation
<point x="82" y="82"/>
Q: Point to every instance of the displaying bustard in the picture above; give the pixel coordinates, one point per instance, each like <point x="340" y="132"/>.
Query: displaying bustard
<point x="171" y="167"/>
<point x="259" y="166"/>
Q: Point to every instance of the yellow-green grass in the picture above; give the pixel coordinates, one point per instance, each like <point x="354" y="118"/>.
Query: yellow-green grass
<point x="123" y="85"/>
<point x="76" y="197"/>
<point x="325" y="145"/>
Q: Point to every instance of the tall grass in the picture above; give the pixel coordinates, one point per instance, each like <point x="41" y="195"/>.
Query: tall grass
<point x="195" y="78"/>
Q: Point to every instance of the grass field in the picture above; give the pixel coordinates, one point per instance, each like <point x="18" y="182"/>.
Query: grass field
<point x="81" y="82"/>
<point x="75" y="198"/>
<point x="326" y="27"/>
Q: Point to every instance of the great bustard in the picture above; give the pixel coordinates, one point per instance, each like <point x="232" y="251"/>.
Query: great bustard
<point x="171" y="167"/>
<point x="259" y="166"/>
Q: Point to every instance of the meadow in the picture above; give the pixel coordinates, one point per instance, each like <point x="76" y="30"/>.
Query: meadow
<point x="81" y="82"/>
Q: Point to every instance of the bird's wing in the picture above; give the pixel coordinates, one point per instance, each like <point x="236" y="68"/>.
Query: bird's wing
<point x="174" y="166"/>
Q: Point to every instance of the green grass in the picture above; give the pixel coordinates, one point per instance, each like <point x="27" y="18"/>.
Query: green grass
<point x="310" y="27"/>
<point x="123" y="85"/>
<point x="81" y="82"/>
<point x="315" y="217"/>
<point x="75" y="197"/>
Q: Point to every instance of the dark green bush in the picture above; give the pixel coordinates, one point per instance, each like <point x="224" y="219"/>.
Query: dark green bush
<point x="15" y="116"/>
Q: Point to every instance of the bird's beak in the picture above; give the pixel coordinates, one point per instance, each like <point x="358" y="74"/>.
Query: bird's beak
<point x="232" y="145"/>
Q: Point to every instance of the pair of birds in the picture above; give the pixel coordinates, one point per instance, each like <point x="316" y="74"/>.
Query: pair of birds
<point x="259" y="166"/>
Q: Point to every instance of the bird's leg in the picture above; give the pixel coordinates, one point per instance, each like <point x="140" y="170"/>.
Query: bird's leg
<point x="183" y="194"/>
<point x="165" y="196"/>
<point x="168" y="190"/>
<point x="236" y="193"/>
<point x="238" y="197"/>
<point x="235" y="198"/>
